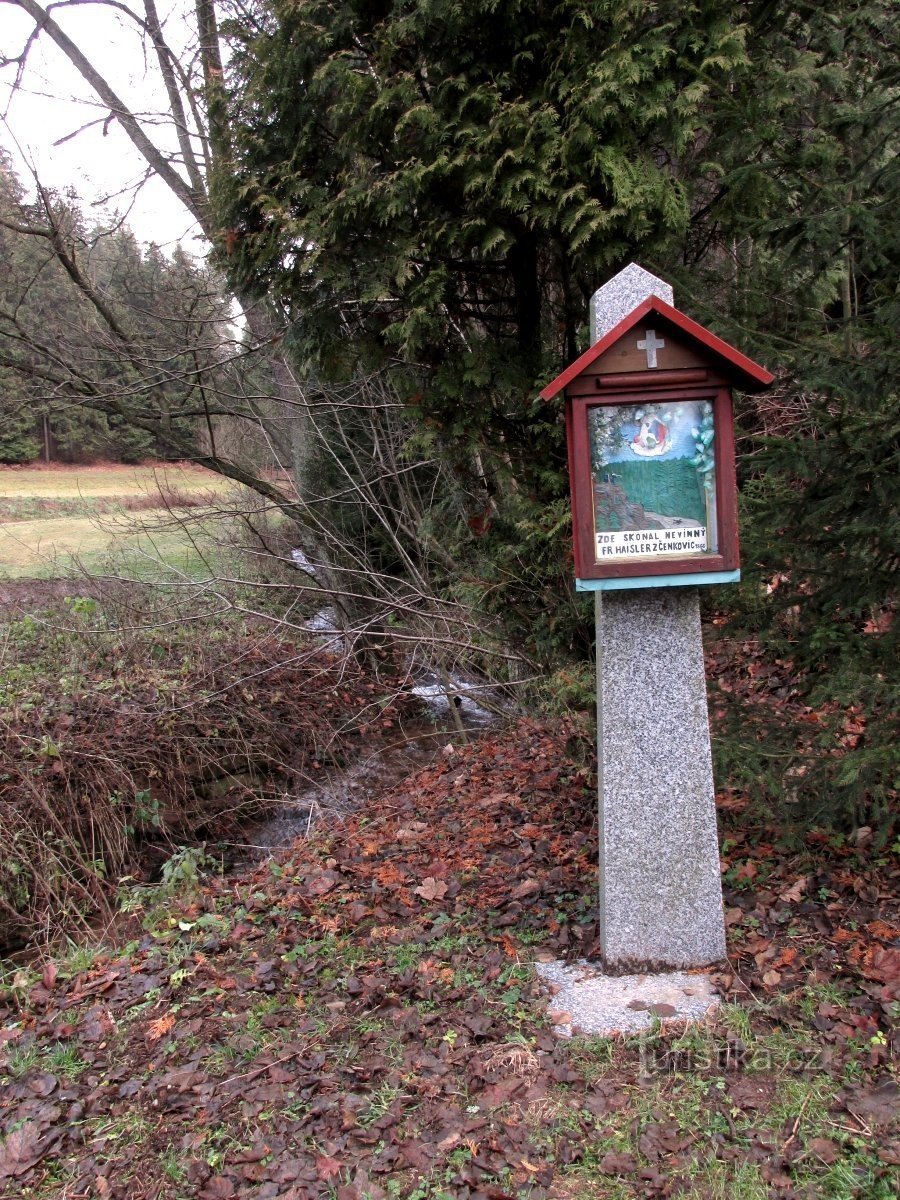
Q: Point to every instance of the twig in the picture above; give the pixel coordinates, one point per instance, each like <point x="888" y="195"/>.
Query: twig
<point x="797" y="1121"/>
<point x="266" y="1066"/>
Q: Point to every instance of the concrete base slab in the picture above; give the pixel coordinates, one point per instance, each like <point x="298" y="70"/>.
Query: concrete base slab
<point x="586" y="1000"/>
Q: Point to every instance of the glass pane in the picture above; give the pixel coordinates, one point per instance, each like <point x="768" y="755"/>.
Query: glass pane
<point x="654" y="480"/>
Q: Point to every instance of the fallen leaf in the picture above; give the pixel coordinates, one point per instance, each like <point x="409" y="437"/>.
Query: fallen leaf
<point x="824" y="1149"/>
<point x="43" y="1084"/>
<point x="431" y="889"/>
<point x="21" y="1150"/>
<point x="528" y="887"/>
<point x="327" y="1167"/>
<point x="792" y="894"/>
<point x="618" y="1163"/>
<point x="882" y="963"/>
<point x="662" y="1010"/>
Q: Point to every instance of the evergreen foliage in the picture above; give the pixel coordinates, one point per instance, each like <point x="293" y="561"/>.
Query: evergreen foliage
<point x="812" y="214"/>
<point x="438" y="188"/>
<point x="102" y="343"/>
<point x="18" y="443"/>
<point x="442" y="186"/>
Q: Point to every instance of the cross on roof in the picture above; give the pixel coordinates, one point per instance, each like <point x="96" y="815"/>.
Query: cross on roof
<point x="651" y="345"/>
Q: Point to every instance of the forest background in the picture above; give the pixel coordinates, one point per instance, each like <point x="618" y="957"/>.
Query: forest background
<point x="409" y="206"/>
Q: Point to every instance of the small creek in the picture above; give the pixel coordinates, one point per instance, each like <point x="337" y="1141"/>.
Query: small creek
<point x="339" y="790"/>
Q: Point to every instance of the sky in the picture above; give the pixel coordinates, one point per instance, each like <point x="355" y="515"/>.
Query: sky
<point x="52" y="102"/>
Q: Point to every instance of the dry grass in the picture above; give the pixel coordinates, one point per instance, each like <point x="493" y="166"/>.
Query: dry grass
<point x="56" y="519"/>
<point x="109" y="480"/>
<point x="113" y="753"/>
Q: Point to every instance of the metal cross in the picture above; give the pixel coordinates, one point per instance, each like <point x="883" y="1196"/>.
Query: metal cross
<point x="651" y="345"/>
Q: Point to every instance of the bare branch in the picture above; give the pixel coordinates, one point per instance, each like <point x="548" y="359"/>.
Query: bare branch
<point x="194" y="200"/>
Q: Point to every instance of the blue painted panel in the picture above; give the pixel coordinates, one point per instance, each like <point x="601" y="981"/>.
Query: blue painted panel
<point x="649" y="581"/>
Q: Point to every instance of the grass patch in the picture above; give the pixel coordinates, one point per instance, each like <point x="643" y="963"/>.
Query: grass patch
<point x="54" y="548"/>
<point x="54" y="522"/>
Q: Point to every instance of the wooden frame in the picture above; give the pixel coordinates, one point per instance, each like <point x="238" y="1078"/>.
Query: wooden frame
<point x="697" y="365"/>
<point x="726" y="556"/>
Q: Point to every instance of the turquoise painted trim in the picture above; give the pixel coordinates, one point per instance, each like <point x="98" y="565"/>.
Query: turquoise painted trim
<point x="648" y="581"/>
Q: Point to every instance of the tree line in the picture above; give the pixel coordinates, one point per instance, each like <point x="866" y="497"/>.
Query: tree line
<point x="88" y="317"/>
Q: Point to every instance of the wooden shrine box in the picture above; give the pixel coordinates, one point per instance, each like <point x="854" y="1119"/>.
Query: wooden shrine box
<point x="650" y="430"/>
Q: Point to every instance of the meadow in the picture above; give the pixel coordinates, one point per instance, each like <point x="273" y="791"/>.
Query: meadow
<point x="61" y="520"/>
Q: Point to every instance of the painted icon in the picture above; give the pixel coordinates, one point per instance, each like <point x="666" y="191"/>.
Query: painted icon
<point x="653" y="468"/>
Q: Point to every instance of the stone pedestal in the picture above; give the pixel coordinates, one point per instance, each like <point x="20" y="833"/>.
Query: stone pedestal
<point x="660" y="887"/>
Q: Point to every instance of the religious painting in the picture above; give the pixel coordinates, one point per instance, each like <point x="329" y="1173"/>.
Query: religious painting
<point x="654" y="480"/>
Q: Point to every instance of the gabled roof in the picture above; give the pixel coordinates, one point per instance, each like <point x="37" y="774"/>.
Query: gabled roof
<point x="746" y="374"/>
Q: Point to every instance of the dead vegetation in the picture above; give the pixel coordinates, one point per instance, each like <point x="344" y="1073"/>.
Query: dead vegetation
<point x="119" y="746"/>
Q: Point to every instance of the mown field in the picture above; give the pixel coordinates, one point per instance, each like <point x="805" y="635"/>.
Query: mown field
<point x="58" y="520"/>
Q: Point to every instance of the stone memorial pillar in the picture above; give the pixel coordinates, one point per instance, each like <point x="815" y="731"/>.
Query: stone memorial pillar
<point x="660" y="886"/>
<point x="660" y="889"/>
<point x="650" y="430"/>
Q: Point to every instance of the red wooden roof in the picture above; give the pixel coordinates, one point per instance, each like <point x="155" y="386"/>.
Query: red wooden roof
<point x="748" y="375"/>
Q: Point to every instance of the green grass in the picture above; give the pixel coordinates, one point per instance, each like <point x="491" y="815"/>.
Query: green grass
<point x="693" y="1097"/>
<point x="54" y="522"/>
<point x="50" y="549"/>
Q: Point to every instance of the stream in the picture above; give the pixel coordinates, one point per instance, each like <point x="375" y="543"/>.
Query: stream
<point x="339" y="790"/>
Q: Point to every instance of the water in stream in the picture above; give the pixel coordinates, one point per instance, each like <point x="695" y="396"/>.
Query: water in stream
<point x="338" y="790"/>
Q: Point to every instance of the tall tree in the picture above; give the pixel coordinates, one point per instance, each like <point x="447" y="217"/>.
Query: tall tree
<point x="109" y="346"/>
<point x="18" y="420"/>
<point x="438" y="188"/>
<point x="448" y="183"/>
